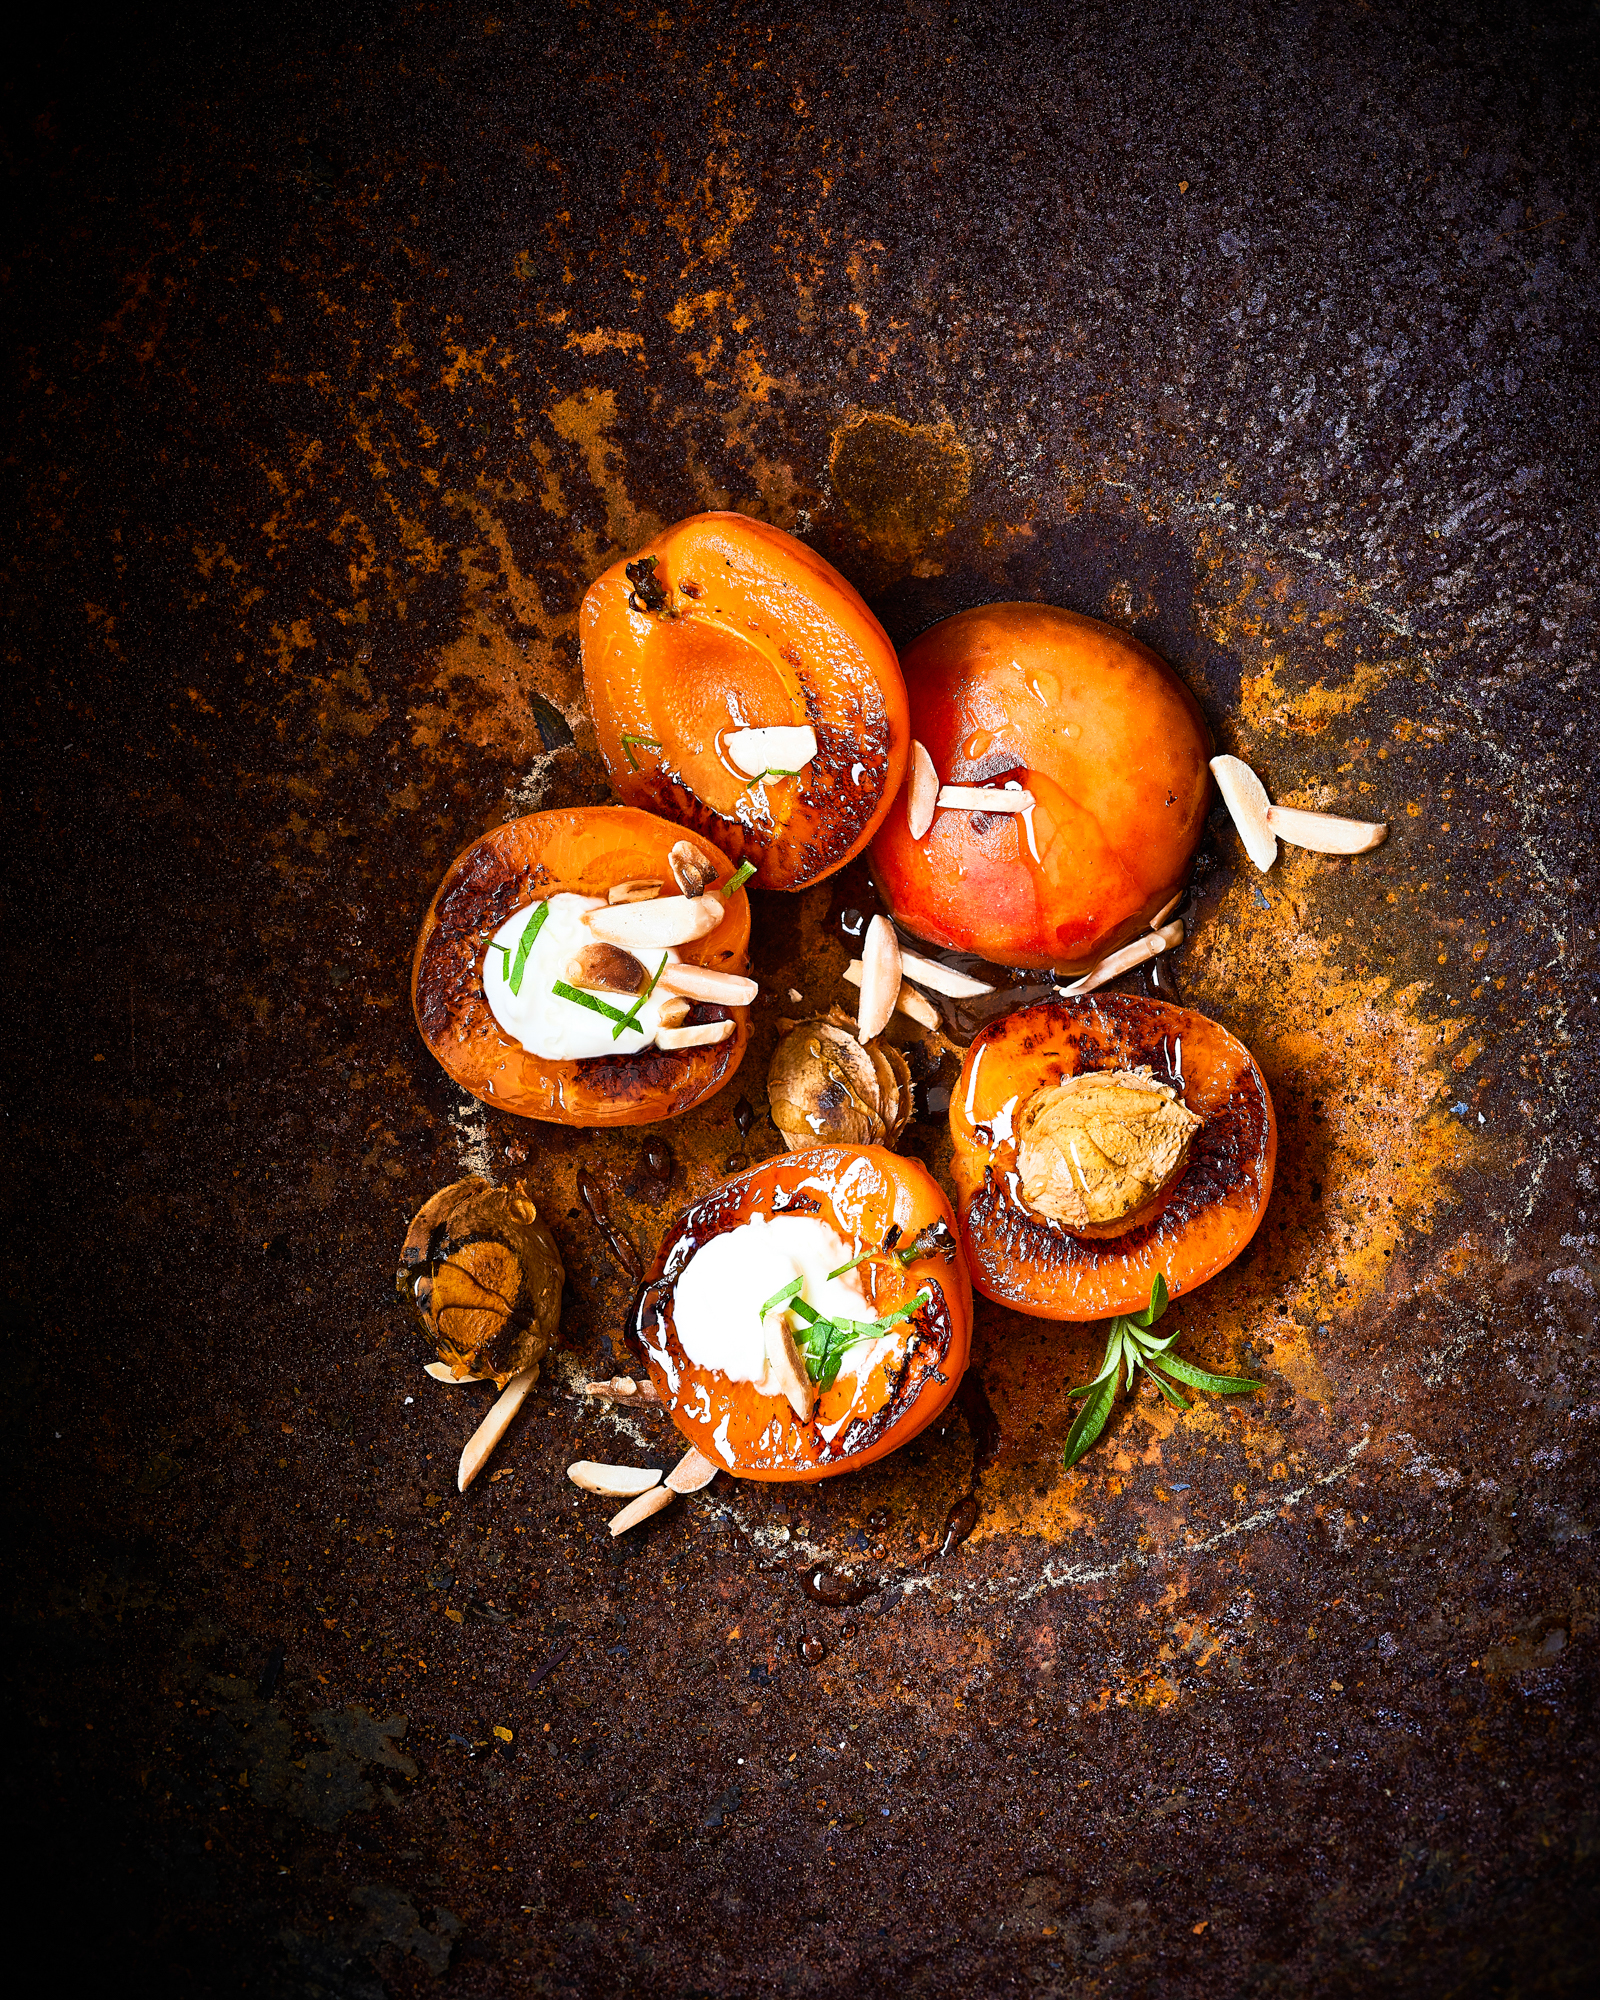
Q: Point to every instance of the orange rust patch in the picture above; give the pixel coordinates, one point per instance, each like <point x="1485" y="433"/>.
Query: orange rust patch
<point x="901" y="484"/>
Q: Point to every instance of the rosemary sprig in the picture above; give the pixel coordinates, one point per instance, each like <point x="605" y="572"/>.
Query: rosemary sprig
<point x="737" y="879"/>
<point x="1131" y="1345"/>
<point x="563" y="991"/>
<point x="631" y="1018"/>
<point x="629" y="738"/>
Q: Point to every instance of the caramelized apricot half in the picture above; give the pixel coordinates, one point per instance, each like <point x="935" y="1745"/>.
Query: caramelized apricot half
<point x="586" y="852"/>
<point x="867" y="1195"/>
<point x="1114" y="750"/>
<point x="724" y="626"/>
<point x="1198" y="1222"/>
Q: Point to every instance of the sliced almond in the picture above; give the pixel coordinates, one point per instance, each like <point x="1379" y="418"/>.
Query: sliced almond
<point x="908" y="1000"/>
<point x="692" y="1471"/>
<point x="986" y="798"/>
<point x="780" y="752"/>
<point x="942" y="978"/>
<point x="441" y="1371"/>
<point x="622" y="1389"/>
<point x="1151" y="945"/>
<point x="607" y="968"/>
<point x="597" y="1478"/>
<point x="493" y="1428"/>
<point x="674" y="1012"/>
<point x="692" y="868"/>
<point x="785" y="1373"/>
<point x="1246" y="798"/>
<point x="922" y="792"/>
<point x="1326" y="833"/>
<point x="880" y="978"/>
<point x="641" y="1509"/>
<point x="633" y="892"/>
<point x="658" y="924"/>
<point x="702" y="1036"/>
<point x="704" y="982"/>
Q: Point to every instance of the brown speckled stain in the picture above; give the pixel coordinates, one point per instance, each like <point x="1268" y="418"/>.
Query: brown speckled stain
<point x="347" y="347"/>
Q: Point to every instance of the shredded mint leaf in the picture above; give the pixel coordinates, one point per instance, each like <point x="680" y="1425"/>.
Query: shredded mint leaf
<point x="531" y="930"/>
<point x="865" y="1257"/>
<point x="737" y="879"/>
<point x="563" y="991"/>
<point x="782" y="1298"/>
<point x="631" y="1018"/>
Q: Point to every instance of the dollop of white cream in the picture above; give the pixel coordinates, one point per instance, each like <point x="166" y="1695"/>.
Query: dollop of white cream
<point x="547" y="1026"/>
<point x="717" y="1301"/>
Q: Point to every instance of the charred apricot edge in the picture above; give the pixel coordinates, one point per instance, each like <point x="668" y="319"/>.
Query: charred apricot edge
<point x="585" y="851"/>
<point x="1205" y="1218"/>
<point x="861" y="1191"/>
<point x="1116" y="753"/>
<point x="752" y="631"/>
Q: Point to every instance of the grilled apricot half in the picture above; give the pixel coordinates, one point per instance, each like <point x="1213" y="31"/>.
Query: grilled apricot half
<point x="1115" y="752"/>
<point x="1193" y="1223"/>
<point x="586" y="852"/>
<point x="719" y="630"/>
<point x="866" y="1195"/>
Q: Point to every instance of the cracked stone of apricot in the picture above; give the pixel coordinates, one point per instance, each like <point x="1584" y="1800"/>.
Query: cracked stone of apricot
<point x="1095" y="1148"/>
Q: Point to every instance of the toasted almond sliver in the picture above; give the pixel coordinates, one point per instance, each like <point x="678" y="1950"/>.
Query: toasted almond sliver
<point x="622" y="1389"/>
<point x="985" y="798"/>
<point x="1326" y="833"/>
<point x="785" y="1372"/>
<point x="908" y="1001"/>
<point x="704" y="982"/>
<point x="489" y="1433"/>
<point x="1246" y="798"/>
<point x="642" y="1508"/>
<point x="757" y="751"/>
<point x="1166" y="910"/>
<point x="1151" y="945"/>
<point x="922" y="794"/>
<point x="596" y="1478"/>
<point x="880" y="978"/>
<point x="674" y="1012"/>
<point x="659" y="924"/>
<point x="941" y="978"/>
<point x="692" y="868"/>
<point x="633" y="892"/>
<point x="702" y="1036"/>
<point x="441" y="1371"/>
<point x="607" y="968"/>
<point x="692" y="1471"/>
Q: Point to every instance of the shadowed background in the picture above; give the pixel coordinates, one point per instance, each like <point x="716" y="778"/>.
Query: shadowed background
<point x="345" y="351"/>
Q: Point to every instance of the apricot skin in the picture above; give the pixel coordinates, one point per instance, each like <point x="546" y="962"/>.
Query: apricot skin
<point x="1116" y="753"/>
<point x="756" y="631"/>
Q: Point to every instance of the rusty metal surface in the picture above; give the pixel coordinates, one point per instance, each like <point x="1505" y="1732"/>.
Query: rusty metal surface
<point x="344" y="356"/>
